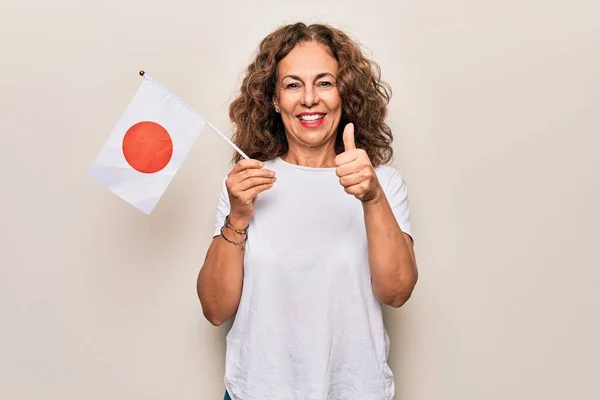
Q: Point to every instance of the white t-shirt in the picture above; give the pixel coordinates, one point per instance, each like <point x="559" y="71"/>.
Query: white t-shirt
<point x="308" y="326"/>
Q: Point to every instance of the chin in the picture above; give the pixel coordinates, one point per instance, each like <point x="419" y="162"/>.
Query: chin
<point x="313" y="138"/>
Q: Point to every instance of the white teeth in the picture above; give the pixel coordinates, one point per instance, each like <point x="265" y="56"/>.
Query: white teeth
<point x="311" y="118"/>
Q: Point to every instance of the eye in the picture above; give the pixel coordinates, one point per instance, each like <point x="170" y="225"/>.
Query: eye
<point x="292" y="86"/>
<point x="325" y="84"/>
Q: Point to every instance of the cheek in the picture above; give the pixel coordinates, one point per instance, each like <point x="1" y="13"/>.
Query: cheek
<point x="334" y="102"/>
<point x="287" y="104"/>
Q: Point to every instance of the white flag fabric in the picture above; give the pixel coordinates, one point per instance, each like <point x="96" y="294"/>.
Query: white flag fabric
<point x="147" y="146"/>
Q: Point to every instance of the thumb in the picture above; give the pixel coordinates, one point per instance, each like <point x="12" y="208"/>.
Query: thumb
<point x="348" y="137"/>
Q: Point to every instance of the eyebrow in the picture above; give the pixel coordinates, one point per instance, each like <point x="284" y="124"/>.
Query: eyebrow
<point x="319" y="76"/>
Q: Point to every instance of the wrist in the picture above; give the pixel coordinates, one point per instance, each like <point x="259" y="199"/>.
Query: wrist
<point x="375" y="199"/>
<point x="237" y="222"/>
<point x="237" y="231"/>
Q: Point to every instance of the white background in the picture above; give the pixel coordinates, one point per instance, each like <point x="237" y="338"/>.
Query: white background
<point x="496" y="120"/>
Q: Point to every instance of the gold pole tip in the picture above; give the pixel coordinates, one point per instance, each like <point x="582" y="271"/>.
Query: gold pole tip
<point x="142" y="72"/>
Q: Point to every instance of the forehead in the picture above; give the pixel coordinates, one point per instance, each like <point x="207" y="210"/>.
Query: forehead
<point x="307" y="59"/>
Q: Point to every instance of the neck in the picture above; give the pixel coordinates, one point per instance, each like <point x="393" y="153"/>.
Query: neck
<point x="317" y="158"/>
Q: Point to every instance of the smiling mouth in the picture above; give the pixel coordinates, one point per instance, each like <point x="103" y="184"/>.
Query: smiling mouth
<point x="310" y="118"/>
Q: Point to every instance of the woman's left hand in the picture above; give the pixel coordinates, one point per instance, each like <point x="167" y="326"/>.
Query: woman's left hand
<point x="355" y="170"/>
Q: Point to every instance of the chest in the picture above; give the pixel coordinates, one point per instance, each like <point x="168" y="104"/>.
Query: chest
<point x="307" y="224"/>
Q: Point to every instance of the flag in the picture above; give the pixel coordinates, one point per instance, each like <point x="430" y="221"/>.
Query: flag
<point x="147" y="146"/>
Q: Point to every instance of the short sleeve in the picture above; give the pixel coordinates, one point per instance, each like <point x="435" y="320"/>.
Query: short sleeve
<point x="222" y="209"/>
<point x="397" y="195"/>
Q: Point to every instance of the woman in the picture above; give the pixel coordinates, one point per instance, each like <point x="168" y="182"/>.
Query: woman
<point x="312" y="233"/>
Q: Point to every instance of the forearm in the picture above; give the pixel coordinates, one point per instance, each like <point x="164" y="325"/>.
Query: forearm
<point x="220" y="279"/>
<point x="391" y="258"/>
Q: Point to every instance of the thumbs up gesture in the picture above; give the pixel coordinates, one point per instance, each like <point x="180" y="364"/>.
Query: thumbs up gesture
<point x="355" y="170"/>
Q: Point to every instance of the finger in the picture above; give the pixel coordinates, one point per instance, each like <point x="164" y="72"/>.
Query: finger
<point x="355" y="190"/>
<point x="351" y="180"/>
<point x="245" y="164"/>
<point x="347" y="157"/>
<point x="261" y="188"/>
<point x="348" y="137"/>
<point x="252" y="173"/>
<point x="253" y="182"/>
<point x="349" y="168"/>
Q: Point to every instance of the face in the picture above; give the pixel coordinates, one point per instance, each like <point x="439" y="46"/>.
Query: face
<point x="307" y="96"/>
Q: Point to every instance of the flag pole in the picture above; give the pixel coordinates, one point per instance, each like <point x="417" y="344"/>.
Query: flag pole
<point x="228" y="141"/>
<point x="142" y="73"/>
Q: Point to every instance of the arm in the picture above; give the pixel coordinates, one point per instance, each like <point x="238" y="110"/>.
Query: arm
<point x="219" y="283"/>
<point x="391" y="256"/>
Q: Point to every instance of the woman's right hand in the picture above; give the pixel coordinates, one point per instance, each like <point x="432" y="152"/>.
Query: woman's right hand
<point x="244" y="182"/>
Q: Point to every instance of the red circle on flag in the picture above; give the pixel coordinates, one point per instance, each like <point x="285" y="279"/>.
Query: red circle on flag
<point x="147" y="147"/>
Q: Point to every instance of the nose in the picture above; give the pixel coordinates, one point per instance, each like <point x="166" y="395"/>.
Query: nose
<point x="310" y="96"/>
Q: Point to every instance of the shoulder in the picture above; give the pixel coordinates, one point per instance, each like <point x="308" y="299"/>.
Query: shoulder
<point x="396" y="191"/>
<point x="389" y="177"/>
<point x="271" y="163"/>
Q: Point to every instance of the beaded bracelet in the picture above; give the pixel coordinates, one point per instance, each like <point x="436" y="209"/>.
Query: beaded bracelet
<point x="228" y="225"/>
<point x="241" y="244"/>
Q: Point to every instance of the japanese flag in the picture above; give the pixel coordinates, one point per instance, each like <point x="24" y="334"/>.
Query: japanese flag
<point x="147" y="146"/>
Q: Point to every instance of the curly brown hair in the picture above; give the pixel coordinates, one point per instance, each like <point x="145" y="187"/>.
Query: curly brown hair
<point x="258" y="130"/>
